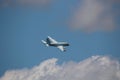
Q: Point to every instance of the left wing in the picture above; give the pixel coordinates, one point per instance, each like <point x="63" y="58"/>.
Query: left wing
<point x="52" y="40"/>
<point x="62" y="48"/>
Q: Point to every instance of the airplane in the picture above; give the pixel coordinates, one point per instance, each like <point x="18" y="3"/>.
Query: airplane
<point x="52" y="42"/>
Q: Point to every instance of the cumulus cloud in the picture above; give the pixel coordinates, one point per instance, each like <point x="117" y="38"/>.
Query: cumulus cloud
<point x="6" y="3"/>
<point x="93" y="68"/>
<point x="94" y="15"/>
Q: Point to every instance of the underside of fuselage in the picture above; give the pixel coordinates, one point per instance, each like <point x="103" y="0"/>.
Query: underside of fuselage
<point x="58" y="44"/>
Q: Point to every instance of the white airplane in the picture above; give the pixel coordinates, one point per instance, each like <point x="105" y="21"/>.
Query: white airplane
<point x="52" y="42"/>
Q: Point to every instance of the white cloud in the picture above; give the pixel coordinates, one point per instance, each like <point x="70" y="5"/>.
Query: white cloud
<point x="94" y="15"/>
<point x="93" y="68"/>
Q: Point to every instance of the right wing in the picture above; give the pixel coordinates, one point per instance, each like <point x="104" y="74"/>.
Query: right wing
<point x="61" y="48"/>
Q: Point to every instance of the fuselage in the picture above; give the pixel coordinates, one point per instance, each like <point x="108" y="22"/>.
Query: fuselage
<point x="52" y="42"/>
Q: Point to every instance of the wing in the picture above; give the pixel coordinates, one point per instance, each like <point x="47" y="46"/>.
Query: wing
<point x="61" y="48"/>
<point x="52" y="40"/>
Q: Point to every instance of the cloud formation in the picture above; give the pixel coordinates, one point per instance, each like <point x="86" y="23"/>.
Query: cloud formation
<point x="94" y="15"/>
<point x="93" y="68"/>
<point x="6" y="3"/>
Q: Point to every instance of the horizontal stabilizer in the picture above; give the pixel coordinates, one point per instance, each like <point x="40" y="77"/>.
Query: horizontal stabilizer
<point x="44" y="42"/>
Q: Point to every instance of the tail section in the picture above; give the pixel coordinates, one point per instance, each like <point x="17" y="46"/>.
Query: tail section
<point x="44" y="42"/>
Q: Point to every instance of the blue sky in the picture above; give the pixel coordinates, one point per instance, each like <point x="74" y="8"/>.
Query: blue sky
<point x="23" y="27"/>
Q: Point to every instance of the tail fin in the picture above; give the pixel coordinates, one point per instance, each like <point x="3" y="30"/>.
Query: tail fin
<point x="44" y="42"/>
